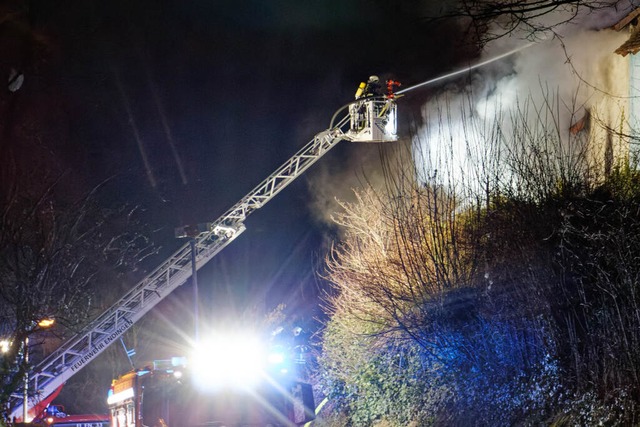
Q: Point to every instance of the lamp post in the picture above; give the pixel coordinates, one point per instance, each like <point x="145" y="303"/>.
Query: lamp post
<point x="42" y="324"/>
<point x="192" y="232"/>
<point x="194" y="278"/>
<point x="25" y="391"/>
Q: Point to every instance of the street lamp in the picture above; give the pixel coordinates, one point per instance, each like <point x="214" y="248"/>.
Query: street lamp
<point x="42" y="324"/>
<point x="46" y="323"/>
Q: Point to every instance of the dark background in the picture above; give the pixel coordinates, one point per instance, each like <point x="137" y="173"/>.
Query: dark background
<point x="237" y="88"/>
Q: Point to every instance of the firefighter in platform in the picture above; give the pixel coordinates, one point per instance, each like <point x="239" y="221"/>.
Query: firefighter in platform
<point x="357" y="110"/>
<point x="370" y="88"/>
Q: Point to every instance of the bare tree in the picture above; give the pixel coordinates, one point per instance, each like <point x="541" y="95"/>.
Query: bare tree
<point x="488" y="20"/>
<point x="400" y="255"/>
<point x="56" y="253"/>
<point x="518" y="277"/>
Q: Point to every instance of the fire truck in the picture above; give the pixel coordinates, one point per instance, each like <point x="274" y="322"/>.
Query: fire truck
<point x="85" y="420"/>
<point x="56" y="416"/>
<point x="169" y="393"/>
<point x="371" y="118"/>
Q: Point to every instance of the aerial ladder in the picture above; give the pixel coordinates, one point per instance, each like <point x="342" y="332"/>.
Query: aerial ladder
<point x="372" y="117"/>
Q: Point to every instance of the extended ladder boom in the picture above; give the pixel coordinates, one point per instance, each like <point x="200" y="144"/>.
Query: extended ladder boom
<point x="174" y="272"/>
<point x="81" y="349"/>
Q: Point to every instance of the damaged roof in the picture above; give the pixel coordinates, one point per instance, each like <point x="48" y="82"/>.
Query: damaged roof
<point x="632" y="45"/>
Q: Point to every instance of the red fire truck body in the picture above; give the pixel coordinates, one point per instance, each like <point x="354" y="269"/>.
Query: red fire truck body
<point x="55" y="415"/>
<point x="168" y="397"/>
<point x="86" y="420"/>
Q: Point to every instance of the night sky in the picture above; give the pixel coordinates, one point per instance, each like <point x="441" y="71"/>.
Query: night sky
<point x="237" y="88"/>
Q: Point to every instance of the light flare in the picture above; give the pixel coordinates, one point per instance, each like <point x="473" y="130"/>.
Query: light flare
<point x="234" y="361"/>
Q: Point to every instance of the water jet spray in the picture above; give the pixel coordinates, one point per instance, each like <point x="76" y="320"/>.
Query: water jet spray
<point x="464" y="70"/>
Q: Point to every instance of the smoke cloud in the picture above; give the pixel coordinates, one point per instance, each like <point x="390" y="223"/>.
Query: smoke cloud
<point x="572" y="71"/>
<point x="575" y="65"/>
<point x="352" y="166"/>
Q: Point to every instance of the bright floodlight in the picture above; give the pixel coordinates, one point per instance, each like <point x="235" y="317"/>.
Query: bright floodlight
<point x="228" y="361"/>
<point x="276" y="357"/>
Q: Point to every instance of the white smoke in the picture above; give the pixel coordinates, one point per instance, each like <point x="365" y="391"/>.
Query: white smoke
<point x="336" y="180"/>
<point x="576" y="65"/>
<point x="572" y="71"/>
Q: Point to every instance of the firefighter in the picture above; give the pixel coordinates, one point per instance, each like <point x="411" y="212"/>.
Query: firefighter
<point x="373" y="87"/>
<point x="370" y="88"/>
<point x="364" y="108"/>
